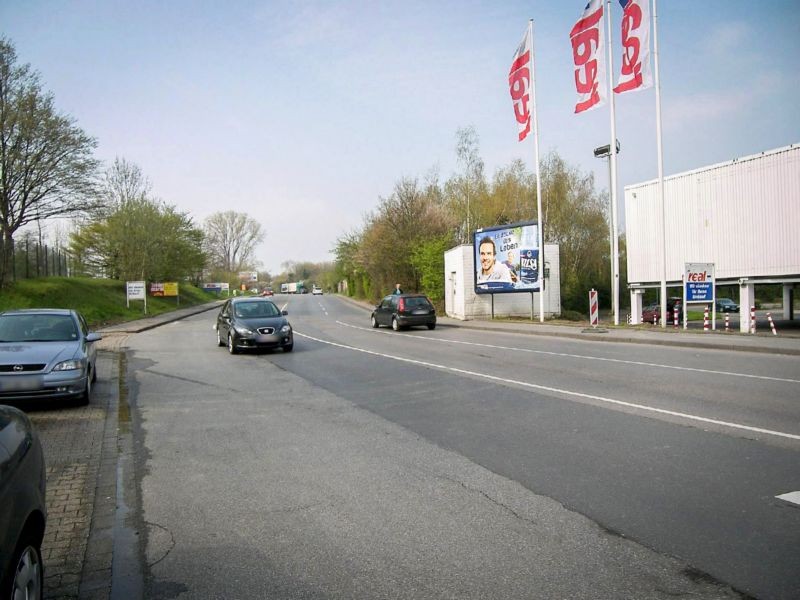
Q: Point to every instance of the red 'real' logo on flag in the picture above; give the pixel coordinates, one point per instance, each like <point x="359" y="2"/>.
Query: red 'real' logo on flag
<point x="587" y="45"/>
<point x="519" y="84"/>
<point x="635" y="72"/>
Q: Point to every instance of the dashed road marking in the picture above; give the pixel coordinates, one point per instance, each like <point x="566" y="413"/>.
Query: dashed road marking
<point x="793" y="497"/>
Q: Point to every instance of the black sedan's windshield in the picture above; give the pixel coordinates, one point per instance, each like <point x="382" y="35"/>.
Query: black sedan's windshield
<point x="255" y="310"/>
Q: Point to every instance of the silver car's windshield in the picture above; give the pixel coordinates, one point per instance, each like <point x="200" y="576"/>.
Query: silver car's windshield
<point x="37" y="328"/>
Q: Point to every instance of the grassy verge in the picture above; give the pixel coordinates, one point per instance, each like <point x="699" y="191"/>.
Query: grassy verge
<point x="101" y="301"/>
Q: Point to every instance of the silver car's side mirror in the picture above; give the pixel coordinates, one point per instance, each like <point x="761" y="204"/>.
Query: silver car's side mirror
<point x="93" y="337"/>
<point x="284" y="312"/>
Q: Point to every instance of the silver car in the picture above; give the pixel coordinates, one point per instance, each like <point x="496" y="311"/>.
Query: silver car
<point x="24" y="514"/>
<point x="46" y="353"/>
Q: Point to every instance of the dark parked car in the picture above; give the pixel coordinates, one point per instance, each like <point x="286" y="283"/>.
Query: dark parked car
<point x="399" y="311"/>
<point x="652" y="312"/>
<point x="253" y="323"/>
<point x="23" y="514"/>
<point x="46" y="353"/>
<point x="727" y="305"/>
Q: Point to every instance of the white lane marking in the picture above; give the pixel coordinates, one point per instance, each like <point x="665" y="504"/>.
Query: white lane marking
<point x="583" y="356"/>
<point x="793" y="497"/>
<point x="323" y="308"/>
<point x="554" y="389"/>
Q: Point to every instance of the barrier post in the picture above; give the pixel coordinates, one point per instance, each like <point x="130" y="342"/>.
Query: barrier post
<point x="705" y="319"/>
<point x="675" y="317"/>
<point x="727" y="322"/>
<point x="593" y="312"/>
<point x="771" y="323"/>
<point x="752" y="319"/>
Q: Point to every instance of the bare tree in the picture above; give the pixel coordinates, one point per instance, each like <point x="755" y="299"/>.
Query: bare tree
<point x="46" y="163"/>
<point x="231" y="240"/>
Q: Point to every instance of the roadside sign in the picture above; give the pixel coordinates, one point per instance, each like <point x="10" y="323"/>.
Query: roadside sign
<point x="593" y="312"/>
<point x="699" y="286"/>
<point x="136" y="290"/>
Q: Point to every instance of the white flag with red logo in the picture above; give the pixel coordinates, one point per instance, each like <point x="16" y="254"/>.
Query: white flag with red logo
<point x="635" y="73"/>
<point x="587" y="55"/>
<point x="519" y="84"/>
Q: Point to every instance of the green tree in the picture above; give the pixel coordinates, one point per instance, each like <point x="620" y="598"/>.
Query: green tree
<point x="140" y="239"/>
<point x="46" y="164"/>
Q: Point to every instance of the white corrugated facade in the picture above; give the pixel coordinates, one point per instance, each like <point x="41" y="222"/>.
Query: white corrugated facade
<point x="742" y="215"/>
<point x="461" y="301"/>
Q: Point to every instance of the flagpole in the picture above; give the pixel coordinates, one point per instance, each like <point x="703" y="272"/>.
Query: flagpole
<point x="613" y="182"/>
<point x="663" y="232"/>
<point x="538" y="177"/>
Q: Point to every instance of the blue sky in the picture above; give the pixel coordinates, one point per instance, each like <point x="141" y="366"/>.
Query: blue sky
<point x="303" y="114"/>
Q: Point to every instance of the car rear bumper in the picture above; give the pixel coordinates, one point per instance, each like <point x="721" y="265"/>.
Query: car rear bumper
<point x="412" y="320"/>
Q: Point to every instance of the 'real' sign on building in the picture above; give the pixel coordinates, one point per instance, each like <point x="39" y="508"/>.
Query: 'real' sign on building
<point x="698" y="281"/>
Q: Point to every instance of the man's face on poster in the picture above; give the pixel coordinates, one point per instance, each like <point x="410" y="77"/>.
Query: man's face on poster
<point x="487" y="257"/>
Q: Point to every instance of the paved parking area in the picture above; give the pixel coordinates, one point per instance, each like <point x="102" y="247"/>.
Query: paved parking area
<point x="80" y="453"/>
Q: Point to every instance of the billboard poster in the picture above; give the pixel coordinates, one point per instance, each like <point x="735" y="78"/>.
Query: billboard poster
<point x="507" y="259"/>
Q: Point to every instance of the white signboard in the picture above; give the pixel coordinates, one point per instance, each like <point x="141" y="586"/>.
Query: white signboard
<point x="136" y="290"/>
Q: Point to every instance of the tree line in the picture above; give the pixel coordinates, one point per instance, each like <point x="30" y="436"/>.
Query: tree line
<point x="121" y="230"/>
<point x="403" y="240"/>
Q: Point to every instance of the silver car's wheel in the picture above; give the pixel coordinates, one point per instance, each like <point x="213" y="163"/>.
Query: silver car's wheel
<point x="87" y="393"/>
<point x="231" y="345"/>
<point x="374" y="322"/>
<point x="27" y="578"/>
<point x="395" y="324"/>
<point x="220" y="341"/>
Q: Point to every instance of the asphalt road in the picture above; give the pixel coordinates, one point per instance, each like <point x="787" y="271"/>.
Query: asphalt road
<point x="459" y="464"/>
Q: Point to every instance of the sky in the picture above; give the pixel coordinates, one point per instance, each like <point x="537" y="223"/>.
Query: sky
<point x="303" y="115"/>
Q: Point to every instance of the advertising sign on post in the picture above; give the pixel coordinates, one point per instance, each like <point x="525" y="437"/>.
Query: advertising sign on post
<point x="698" y="287"/>
<point x="507" y="259"/>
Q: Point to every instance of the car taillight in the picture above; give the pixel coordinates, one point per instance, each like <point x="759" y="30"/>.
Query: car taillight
<point x="401" y="304"/>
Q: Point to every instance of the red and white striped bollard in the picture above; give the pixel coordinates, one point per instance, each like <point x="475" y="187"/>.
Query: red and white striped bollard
<point x="752" y="319"/>
<point x="593" y="312"/>
<point x="771" y="323"/>
<point x="727" y="322"/>
<point x="705" y="319"/>
<point x="675" y="317"/>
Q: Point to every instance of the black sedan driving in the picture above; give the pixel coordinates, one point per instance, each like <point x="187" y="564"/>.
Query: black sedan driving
<point x="400" y="311"/>
<point x="251" y="323"/>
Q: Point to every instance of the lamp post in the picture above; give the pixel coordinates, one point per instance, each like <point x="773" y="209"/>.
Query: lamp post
<point x="605" y="152"/>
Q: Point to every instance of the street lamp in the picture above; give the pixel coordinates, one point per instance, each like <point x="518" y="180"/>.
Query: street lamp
<point x="605" y="152"/>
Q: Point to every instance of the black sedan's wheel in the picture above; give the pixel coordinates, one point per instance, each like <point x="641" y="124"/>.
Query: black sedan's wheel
<point x="220" y="341"/>
<point x="231" y="346"/>
<point x="26" y="579"/>
<point x="375" y="323"/>
<point x="395" y="324"/>
<point x="288" y="347"/>
<point x="431" y="325"/>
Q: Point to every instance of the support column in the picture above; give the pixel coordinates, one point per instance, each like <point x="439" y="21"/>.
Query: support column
<point x="747" y="298"/>
<point x="636" y="306"/>
<point x="788" y="301"/>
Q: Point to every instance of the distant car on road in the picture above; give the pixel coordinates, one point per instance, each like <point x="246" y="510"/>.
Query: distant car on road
<point x="268" y="292"/>
<point x="316" y="290"/>
<point x="400" y="311"/>
<point x="253" y="323"/>
<point x="726" y="305"/>
<point x="23" y="515"/>
<point x="46" y="353"/>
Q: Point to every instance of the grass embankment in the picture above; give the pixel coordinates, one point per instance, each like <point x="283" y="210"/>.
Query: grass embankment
<point x="101" y="301"/>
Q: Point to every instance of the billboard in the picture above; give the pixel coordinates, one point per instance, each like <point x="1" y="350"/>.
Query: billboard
<point x="507" y="258"/>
